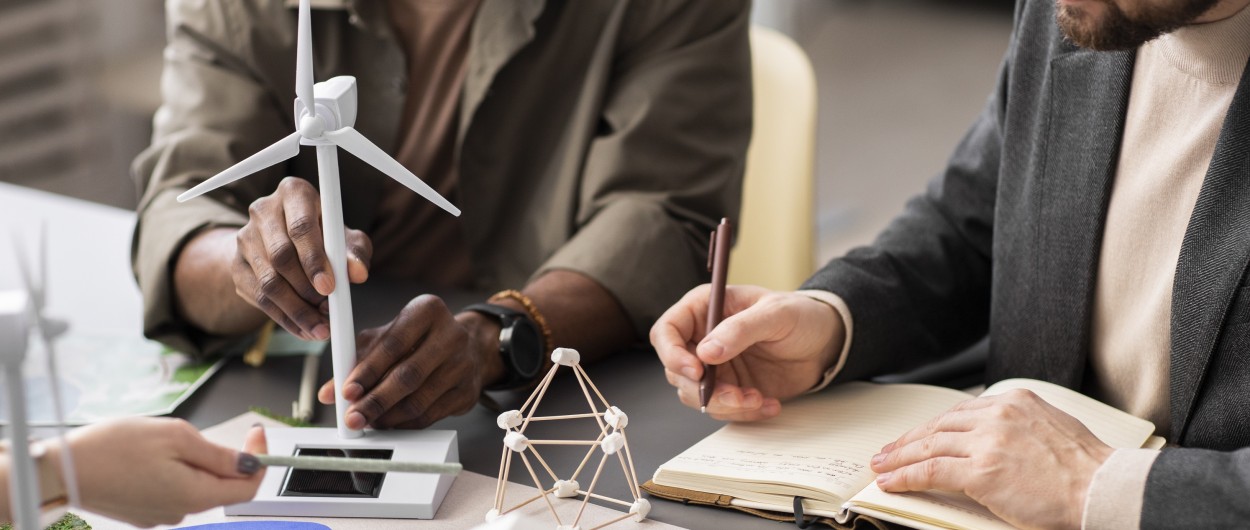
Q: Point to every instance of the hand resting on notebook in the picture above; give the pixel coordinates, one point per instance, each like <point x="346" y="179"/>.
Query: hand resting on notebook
<point x="1027" y="461"/>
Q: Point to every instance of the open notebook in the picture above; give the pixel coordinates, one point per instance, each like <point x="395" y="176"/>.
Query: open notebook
<point x="819" y="448"/>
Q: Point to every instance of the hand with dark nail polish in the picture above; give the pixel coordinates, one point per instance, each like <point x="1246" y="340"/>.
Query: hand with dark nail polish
<point x="150" y="471"/>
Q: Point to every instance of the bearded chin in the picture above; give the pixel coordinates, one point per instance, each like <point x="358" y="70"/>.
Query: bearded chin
<point x="1114" y="30"/>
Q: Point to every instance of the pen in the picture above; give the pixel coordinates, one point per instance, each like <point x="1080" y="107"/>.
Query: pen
<point x="363" y="465"/>
<point x="718" y="264"/>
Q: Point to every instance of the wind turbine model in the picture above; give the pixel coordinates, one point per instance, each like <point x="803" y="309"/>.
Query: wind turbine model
<point x="19" y="312"/>
<point x="325" y="114"/>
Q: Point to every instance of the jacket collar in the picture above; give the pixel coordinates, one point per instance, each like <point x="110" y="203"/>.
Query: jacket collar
<point x="1212" y="261"/>
<point x="1088" y="102"/>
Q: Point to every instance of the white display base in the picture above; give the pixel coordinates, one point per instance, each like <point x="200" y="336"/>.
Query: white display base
<point x="403" y="495"/>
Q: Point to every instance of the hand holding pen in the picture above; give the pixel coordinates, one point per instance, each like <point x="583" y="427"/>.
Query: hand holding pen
<point x="739" y="352"/>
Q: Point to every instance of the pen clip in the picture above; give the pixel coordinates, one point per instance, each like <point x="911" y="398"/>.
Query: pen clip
<point x="711" y="250"/>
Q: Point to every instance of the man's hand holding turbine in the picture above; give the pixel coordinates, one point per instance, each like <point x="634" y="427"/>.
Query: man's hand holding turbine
<point x="280" y="264"/>
<point x="423" y="366"/>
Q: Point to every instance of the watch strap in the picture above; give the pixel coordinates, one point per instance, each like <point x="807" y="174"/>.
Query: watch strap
<point x="507" y="317"/>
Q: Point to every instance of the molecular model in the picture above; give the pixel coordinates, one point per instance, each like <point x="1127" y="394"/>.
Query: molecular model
<point x="611" y="442"/>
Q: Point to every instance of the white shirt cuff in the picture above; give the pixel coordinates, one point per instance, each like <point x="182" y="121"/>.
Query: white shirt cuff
<point x="842" y="310"/>
<point x="1118" y="490"/>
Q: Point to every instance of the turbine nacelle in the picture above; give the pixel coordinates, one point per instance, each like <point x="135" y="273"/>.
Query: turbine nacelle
<point x="334" y="105"/>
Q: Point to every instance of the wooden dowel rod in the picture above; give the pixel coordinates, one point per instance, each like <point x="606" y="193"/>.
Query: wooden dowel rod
<point x="629" y="478"/>
<point x="589" y="452"/>
<point x="544" y="463"/>
<point x="561" y="442"/>
<point x="499" y="484"/>
<point x="614" y="521"/>
<point x="541" y="384"/>
<point x="593" y="481"/>
<point x="630" y="457"/>
<point x="566" y="417"/>
<point x="526" y="503"/>
<point x="541" y="392"/>
<point x="507" y="473"/>
<point x="593" y="387"/>
<point x="602" y="498"/>
<point x="539" y="485"/>
<point x="589" y="401"/>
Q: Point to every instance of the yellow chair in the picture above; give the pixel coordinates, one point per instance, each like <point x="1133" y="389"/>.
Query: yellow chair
<point x="776" y="225"/>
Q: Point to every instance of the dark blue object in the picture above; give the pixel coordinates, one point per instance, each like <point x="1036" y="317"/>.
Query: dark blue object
<point x="259" y="525"/>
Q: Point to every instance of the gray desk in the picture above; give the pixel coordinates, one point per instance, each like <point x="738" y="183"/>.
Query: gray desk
<point x="92" y="287"/>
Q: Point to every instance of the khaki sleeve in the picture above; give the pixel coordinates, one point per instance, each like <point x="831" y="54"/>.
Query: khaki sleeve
<point x="216" y="110"/>
<point x="669" y="162"/>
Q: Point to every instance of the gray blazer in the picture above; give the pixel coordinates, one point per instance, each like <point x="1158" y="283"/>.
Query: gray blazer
<point x="1006" y="242"/>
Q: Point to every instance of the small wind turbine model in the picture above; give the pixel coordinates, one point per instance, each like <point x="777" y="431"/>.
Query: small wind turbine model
<point x="19" y="312"/>
<point x="325" y="114"/>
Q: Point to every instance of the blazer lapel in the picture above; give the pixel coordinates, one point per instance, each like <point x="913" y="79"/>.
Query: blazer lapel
<point x="502" y="28"/>
<point x="1212" y="261"/>
<point x="1089" y="98"/>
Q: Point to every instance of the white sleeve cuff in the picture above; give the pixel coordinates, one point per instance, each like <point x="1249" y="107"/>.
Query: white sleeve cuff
<point x="842" y="310"/>
<point x="1118" y="490"/>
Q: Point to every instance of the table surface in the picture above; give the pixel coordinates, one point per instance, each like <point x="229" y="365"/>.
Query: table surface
<point x="91" y="285"/>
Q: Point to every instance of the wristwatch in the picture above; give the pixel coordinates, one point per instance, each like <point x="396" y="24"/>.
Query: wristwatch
<point x="520" y="344"/>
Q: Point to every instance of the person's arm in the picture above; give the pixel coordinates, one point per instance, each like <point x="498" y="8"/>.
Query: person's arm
<point x="921" y="290"/>
<point x="667" y="166"/>
<point x="217" y="108"/>
<point x="1197" y="488"/>
<point x="149" y="471"/>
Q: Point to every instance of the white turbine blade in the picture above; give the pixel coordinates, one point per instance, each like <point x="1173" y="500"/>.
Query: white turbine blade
<point x="303" y="60"/>
<point x="282" y="150"/>
<point x="356" y="144"/>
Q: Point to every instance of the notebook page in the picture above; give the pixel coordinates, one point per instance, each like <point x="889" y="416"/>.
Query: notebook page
<point x="819" y="445"/>
<point x="936" y="508"/>
<point x="1114" y="427"/>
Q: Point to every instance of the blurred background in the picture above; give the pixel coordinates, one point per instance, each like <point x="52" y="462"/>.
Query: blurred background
<point x="898" y="81"/>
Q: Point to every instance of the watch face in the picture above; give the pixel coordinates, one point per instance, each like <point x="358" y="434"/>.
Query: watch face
<point x="525" y="346"/>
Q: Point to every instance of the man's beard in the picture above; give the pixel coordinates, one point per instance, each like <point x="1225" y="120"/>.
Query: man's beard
<point x="1116" y="31"/>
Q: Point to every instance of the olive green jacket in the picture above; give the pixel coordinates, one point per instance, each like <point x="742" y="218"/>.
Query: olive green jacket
<point x="599" y="136"/>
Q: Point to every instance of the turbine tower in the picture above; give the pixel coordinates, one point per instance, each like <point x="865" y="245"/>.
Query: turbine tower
<point x="325" y="114"/>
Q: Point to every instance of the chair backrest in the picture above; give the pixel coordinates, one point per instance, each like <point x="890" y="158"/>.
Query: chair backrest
<point x="775" y="239"/>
